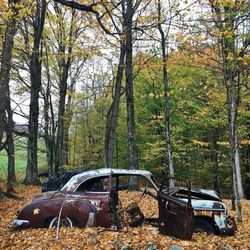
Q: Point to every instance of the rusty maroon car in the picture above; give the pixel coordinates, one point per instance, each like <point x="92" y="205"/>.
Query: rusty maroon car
<point x="96" y="198"/>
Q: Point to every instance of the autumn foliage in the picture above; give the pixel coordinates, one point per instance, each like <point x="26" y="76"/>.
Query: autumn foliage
<point x="145" y="237"/>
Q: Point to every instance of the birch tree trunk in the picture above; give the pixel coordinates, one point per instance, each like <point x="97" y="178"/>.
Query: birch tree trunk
<point x="69" y="114"/>
<point x="232" y="114"/>
<point x="227" y="19"/>
<point x="238" y="169"/>
<point x="166" y="93"/>
<point x="67" y="122"/>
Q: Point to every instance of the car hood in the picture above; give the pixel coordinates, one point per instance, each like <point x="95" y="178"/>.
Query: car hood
<point x="206" y="193"/>
<point x="203" y="199"/>
<point x="208" y="205"/>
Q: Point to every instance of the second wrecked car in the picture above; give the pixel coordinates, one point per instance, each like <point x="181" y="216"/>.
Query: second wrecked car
<point x="93" y="198"/>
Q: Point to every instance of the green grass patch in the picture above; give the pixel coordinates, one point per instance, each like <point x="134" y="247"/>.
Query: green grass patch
<point x="21" y="159"/>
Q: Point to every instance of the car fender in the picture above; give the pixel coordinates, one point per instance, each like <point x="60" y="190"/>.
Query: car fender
<point x="39" y="212"/>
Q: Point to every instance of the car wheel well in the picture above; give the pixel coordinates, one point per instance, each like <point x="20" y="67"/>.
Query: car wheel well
<point x="205" y="223"/>
<point x="49" y="219"/>
<point x="74" y="221"/>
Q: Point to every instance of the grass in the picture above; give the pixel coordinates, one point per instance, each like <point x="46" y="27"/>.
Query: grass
<point x="21" y="159"/>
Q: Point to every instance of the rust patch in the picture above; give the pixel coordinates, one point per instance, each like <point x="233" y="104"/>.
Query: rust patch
<point x="203" y="213"/>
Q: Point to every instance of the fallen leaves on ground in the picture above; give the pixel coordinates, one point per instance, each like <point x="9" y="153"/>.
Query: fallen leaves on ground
<point x="145" y="237"/>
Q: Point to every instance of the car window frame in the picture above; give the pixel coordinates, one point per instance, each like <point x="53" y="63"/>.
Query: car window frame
<point x="93" y="177"/>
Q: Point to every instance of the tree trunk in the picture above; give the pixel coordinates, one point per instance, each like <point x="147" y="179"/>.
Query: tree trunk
<point x="166" y="95"/>
<point x="10" y="149"/>
<point x="6" y="124"/>
<point x="132" y="152"/>
<point x="238" y="169"/>
<point x="225" y="21"/>
<point x="32" y="168"/>
<point x="36" y="81"/>
<point x="214" y="156"/>
<point x="247" y="180"/>
<point x="2" y="194"/>
<point x="160" y="131"/>
<point x="113" y="111"/>
<point x="67" y="121"/>
<point x="64" y="66"/>
<point x="59" y="159"/>
<point x="232" y="115"/>
<point x="73" y="159"/>
<point x="49" y="127"/>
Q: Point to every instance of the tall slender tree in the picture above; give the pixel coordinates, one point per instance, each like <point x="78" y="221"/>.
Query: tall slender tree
<point x="48" y="112"/>
<point x="65" y="28"/>
<point x="64" y="64"/>
<point x="6" y="114"/>
<point x="224" y="26"/>
<point x="112" y="116"/>
<point x="35" y="67"/>
<point x="132" y="152"/>
<point x="164" y="51"/>
<point x="227" y="18"/>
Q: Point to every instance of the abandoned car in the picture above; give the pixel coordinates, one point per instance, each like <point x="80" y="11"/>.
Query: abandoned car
<point x="99" y="198"/>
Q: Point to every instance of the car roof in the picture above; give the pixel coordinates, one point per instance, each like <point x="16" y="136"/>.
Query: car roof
<point x="69" y="186"/>
<point x="104" y="171"/>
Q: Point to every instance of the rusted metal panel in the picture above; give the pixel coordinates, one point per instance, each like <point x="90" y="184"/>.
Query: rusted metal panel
<point x="136" y="217"/>
<point x="175" y="216"/>
<point x="175" y="219"/>
<point x="73" y="205"/>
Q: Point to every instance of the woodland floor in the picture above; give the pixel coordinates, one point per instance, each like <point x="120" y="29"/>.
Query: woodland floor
<point x="146" y="237"/>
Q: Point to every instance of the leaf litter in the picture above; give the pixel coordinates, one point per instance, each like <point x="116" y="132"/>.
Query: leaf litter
<point x="145" y="237"/>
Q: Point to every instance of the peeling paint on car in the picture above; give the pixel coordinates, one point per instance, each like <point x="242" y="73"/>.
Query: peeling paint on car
<point x="72" y="184"/>
<point x="36" y="211"/>
<point x="220" y="219"/>
<point x="96" y="203"/>
<point x="203" y="213"/>
<point x="208" y="205"/>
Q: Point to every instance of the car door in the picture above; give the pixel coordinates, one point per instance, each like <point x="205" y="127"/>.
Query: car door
<point x="175" y="215"/>
<point x="95" y="191"/>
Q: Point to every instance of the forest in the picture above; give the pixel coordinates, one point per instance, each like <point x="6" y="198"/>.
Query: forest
<point x="156" y="85"/>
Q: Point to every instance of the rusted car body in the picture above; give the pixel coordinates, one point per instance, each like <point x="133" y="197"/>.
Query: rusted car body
<point x="92" y="199"/>
<point x="210" y="212"/>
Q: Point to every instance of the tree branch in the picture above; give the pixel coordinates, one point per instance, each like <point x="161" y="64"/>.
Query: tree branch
<point x="86" y="8"/>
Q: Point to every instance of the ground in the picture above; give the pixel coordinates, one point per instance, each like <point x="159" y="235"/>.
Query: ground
<point x="145" y="237"/>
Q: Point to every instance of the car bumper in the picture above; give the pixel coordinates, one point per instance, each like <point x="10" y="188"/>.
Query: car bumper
<point x="230" y="228"/>
<point x="227" y="231"/>
<point x="19" y="223"/>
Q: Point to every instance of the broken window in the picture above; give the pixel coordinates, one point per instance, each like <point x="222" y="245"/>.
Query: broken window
<point x="97" y="184"/>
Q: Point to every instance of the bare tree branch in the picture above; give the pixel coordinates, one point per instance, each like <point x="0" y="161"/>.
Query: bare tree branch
<point x="87" y="8"/>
